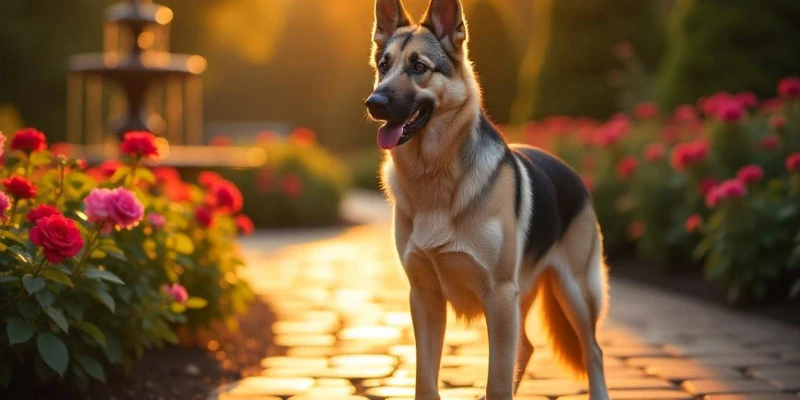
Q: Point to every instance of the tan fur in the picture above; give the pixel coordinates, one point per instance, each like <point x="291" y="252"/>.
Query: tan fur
<point x="468" y="253"/>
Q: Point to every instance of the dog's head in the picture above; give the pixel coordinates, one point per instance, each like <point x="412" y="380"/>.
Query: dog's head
<point x="419" y="68"/>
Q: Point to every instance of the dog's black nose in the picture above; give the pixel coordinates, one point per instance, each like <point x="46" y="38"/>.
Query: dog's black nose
<point x="377" y="103"/>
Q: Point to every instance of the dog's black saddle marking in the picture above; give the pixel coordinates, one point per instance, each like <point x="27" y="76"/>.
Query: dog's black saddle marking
<point x="558" y="195"/>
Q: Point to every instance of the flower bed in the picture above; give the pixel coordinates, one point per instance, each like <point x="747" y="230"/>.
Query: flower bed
<point x="717" y="183"/>
<point x="99" y="265"/>
<point x="301" y="181"/>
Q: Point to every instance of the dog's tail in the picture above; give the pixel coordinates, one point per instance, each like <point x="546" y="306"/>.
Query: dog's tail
<point x="562" y="338"/>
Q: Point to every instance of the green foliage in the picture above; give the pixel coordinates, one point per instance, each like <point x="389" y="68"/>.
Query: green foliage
<point x="578" y="57"/>
<point x="736" y="45"/>
<point x="748" y="242"/>
<point x="301" y="184"/>
<point x="364" y="168"/>
<point x="497" y="67"/>
<point x="649" y="176"/>
<point x="105" y="306"/>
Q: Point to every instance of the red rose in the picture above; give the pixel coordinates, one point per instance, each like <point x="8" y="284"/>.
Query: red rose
<point x="244" y="225"/>
<point x="139" y="144"/>
<point x="693" y="223"/>
<point x="747" y="99"/>
<point x="40" y="212"/>
<point x="292" y="186"/>
<point x="221" y="141"/>
<point x="626" y="167"/>
<point x="789" y="87"/>
<point x="793" y="162"/>
<point x="654" y="152"/>
<point x="205" y="217"/>
<point x="59" y="149"/>
<point x="636" y="229"/>
<point x="777" y="122"/>
<point x="166" y="175"/>
<point x="208" y="178"/>
<point x="646" y="110"/>
<point x="105" y="170"/>
<point x="58" y="236"/>
<point x="19" y="187"/>
<point x="225" y="196"/>
<point x="265" y="180"/>
<point x="29" y="140"/>
<point x="303" y="136"/>
<point x="178" y="192"/>
<point x="750" y="174"/>
<point x="684" y="114"/>
<point x="769" y="143"/>
<point x="707" y="184"/>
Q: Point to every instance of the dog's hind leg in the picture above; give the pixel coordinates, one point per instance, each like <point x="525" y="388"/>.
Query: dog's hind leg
<point x="579" y="287"/>
<point x="525" y="347"/>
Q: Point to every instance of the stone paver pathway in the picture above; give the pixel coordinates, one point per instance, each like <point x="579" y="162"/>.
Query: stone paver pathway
<point x="344" y="333"/>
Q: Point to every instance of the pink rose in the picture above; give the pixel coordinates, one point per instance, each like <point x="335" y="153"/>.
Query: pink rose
<point x="176" y="291"/>
<point x="157" y="220"/>
<point x="96" y="205"/>
<point x="750" y="174"/>
<point x="5" y="204"/>
<point x="793" y="162"/>
<point x="789" y="87"/>
<point x="124" y="208"/>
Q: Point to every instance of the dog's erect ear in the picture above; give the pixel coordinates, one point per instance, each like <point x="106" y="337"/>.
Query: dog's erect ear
<point x="389" y="16"/>
<point x="445" y="18"/>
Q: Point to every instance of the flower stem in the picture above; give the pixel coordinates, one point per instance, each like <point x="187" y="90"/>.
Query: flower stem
<point x="132" y="176"/>
<point x="39" y="267"/>
<point x="60" y="185"/>
<point x="10" y="218"/>
<point x="92" y="239"/>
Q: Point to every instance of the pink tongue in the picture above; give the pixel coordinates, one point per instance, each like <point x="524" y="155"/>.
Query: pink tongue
<point x="388" y="137"/>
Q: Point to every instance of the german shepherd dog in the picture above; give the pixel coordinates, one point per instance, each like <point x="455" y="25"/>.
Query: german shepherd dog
<point x="479" y="224"/>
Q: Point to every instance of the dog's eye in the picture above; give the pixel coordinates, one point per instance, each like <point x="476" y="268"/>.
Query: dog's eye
<point x="383" y="67"/>
<point x="420" y="67"/>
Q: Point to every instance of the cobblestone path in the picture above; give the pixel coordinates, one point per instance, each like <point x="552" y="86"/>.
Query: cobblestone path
<point x="344" y="333"/>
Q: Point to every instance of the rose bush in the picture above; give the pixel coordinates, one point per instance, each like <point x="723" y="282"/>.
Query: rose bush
<point x="97" y="266"/>
<point x="301" y="181"/>
<point x="718" y="183"/>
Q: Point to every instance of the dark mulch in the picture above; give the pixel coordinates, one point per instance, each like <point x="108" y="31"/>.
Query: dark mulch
<point x="690" y="281"/>
<point x="184" y="372"/>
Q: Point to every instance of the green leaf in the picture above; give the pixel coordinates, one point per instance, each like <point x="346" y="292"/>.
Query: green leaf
<point x="92" y="330"/>
<point x="27" y="308"/>
<point x="41" y="158"/>
<point x="58" y="317"/>
<point x="53" y="352"/>
<point x="92" y="367"/>
<point x="103" y="275"/>
<point x="125" y="294"/>
<point x="195" y="302"/>
<point x="121" y="173"/>
<point x="105" y="298"/>
<point x="97" y="253"/>
<point x="113" y="350"/>
<point x="33" y="284"/>
<point x="146" y="175"/>
<point x="177" y="308"/>
<point x="11" y="235"/>
<point x="21" y="255"/>
<point x="57" y="275"/>
<point x="8" y="278"/>
<point x="73" y="307"/>
<point x="5" y="372"/>
<point x="181" y="243"/>
<point x="18" y="330"/>
<point x="45" y="298"/>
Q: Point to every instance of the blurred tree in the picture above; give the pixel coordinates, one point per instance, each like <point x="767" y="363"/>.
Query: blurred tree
<point x="495" y="58"/>
<point x="733" y="45"/>
<point x="36" y="39"/>
<point x="577" y="54"/>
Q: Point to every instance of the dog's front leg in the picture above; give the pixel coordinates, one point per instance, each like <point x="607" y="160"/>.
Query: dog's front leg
<point x="429" y="317"/>
<point x="428" y="313"/>
<point x="502" y="320"/>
